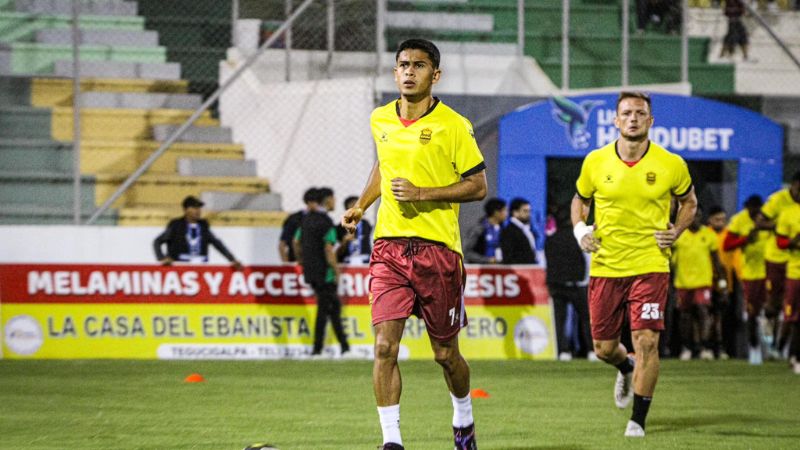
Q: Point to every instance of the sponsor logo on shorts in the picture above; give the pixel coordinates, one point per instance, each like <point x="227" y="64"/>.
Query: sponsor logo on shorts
<point x="23" y="335"/>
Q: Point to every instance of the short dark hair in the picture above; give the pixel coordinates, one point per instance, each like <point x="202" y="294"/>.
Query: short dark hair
<point x="714" y="210"/>
<point x="754" y="201"/>
<point x="493" y="205"/>
<point x="796" y="177"/>
<point x="350" y="200"/>
<point x="635" y="94"/>
<point x="310" y="195"/>
<point x="517" y="203"/>
<point x="323" y="193"/>
<point x="420" y="44"/>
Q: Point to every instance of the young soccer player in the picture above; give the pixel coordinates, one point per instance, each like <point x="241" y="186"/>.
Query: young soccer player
<point x="632" y="182"/>
<point x="428" y="163"/>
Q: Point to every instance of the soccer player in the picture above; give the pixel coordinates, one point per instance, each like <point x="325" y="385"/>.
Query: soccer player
<point x="428" y="163"/>
<point x="744" y="234"/>
<point x="632" y="182"/>
<point x="776" y="257"/>
<point x="722" y="311"/>
<point x="788" y="238"/>
<point x="696" y="264"/>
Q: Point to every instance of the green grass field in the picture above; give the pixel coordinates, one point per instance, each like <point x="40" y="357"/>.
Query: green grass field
<point x="329" y="405"/>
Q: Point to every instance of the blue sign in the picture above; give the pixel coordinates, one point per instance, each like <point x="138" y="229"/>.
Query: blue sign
<point x="695" y="128"/>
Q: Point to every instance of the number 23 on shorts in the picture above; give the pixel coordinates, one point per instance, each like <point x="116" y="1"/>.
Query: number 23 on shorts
<point x="650" y="311"/>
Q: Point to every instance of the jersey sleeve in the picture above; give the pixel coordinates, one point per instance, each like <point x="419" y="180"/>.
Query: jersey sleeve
<point x="585" y="186"/>
<point x="683" y="181"/>
<point x="467" y="158"/>
<point x="784" y="226"/>
<point x="737" y="226"/>
<point x="713" y="244"/>
<point x="771" y="207"/>
<point x="330" y="237"/>
<point x="298" y="234"/>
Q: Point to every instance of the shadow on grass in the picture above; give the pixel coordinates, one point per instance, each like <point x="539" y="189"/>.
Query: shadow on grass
<point x="735" y="424"/>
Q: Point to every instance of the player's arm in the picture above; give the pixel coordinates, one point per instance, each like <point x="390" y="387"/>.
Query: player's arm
<point x="721" y="276"/>
<point x="734" y="241"/>
<point x="330" y="257"/>
<point x="368" y="196"/>
<point x="584" y="234"/>
<point x="298" y="249"/>
<point x="470" y="188"/>
<point x="687" y="207"/>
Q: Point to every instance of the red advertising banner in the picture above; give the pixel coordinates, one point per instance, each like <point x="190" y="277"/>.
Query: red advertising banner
<point x="87" y="283"/>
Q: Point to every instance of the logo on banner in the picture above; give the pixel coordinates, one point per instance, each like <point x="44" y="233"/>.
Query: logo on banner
<point x="23" y="335"/>
<point x="574" y="117"/>
<point x="530" y="335"/>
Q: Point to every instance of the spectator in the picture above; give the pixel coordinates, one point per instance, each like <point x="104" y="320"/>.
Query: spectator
<point x="516" y="240"/>
<point x="666" y="12"/>
<point x="188" y="237"/>
<point x="290" y="225"/>
<point x="482" y="243"/>
<point x="355" y="247"/>
<point x="566" y="281"/>
<point x="314" y="243"/>
<point x="737" y="33"/>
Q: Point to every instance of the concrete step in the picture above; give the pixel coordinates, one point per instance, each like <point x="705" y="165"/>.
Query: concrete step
<point x="216" y="167"/>
<point x="43" y="188"/>
<point x="140" y="100"/>
<point x="477" y="48"/>
<point x="16" y="26"/>
<point x="16" y="214"/>
<point x="220" y="135"/>
<point x="15" y="91"/>
<point x="120" y="124"/>
<point x="227" y="201"/>
<point x="148" y="216"/>
<point x="440" y="21"/>
<point x="141" y="38"/>
<point x="33" y="58"/>
<point x="31" y="155"/>
<point x="49" y="92"/>
<point x="64" y="7"/>
<point x="24" y="122"/>
<point x="120" y="69"/>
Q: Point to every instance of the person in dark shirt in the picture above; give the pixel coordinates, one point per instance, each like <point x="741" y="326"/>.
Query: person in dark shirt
<point x="314" y="243"/>
<point x="482" y="242"/>
<point x="517" y="240"/>
<point x="188" y="237"/>
<point x="290" y="225"/>
<point x="566" y="281"/>
<point x="355" y="247"/>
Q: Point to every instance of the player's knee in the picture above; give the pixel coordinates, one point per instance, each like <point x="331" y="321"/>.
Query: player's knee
<point x="604" y="350"/>
<point x="386" y="350"/>
<point x="445" y="357"/>
<point x="646" y="344"/>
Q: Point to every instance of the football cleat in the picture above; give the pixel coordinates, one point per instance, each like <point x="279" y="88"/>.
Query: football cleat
<point x="260" y="446"/>
<point x="623" y="390"/>
<point x="755" y="358"/>
<point x="390" y="446"/>
<point x="634" y="430"/>
<point x="464" y="438"/>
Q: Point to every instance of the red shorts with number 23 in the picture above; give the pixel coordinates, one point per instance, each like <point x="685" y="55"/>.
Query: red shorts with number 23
<point x="646" y="298"/>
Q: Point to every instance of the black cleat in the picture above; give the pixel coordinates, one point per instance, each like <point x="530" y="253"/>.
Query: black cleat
<point x="464" y="438"/>
<point x="390" y="446"/>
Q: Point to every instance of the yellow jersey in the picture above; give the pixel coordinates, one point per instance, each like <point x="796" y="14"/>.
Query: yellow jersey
<point x="753" y="266"/>
<point x="437" y="150"/>
<point x="789" y="225"/>
<point x="630" y="205"/>
<point x="772" y="209"/>
<point x="691" y="257"/>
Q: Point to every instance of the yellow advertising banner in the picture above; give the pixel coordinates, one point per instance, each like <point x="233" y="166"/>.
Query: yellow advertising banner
<point x="93" y="312"/>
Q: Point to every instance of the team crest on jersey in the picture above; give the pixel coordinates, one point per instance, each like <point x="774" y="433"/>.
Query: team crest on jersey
<point x="425" y="136"/>
<point x="609" y="179"/>
<point x="384" y="137"/>
<point x="651" y="178"/>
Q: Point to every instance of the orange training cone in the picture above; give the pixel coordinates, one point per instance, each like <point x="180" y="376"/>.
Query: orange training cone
<point x="194" y="378"/>
<point x="479" y="393"/>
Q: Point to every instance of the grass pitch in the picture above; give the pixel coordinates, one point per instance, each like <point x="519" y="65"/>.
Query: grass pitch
<point x="329" y="405"/>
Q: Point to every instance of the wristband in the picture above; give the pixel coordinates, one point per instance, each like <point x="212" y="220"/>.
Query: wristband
<point x="580" y="230"/>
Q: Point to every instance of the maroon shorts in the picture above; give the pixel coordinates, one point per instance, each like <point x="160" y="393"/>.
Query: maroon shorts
<point x="791" y="302"/>
<point x="413" y="276"/>
<point x="690" y="297"/>
<point x="776" y="278"/>
<point x="755" y="295"/>
<point x="646" y="295"/>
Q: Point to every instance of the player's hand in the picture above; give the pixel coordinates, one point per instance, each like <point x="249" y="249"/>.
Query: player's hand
<point x="351" y="218"/>
<point x="589" y="243"/>
<point x="166" y="261"/>
<point x="753" y="235"/>
<point x="665" y="238"/>
<point x="404" y="190"/>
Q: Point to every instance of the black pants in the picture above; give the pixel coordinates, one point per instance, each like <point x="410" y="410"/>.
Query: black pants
<point x="562" y="295"/>
<point x="328" y="306"/>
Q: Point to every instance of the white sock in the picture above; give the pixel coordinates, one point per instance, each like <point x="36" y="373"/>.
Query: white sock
<point x="390" y="423"/>
<point x="462" y="411"/>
